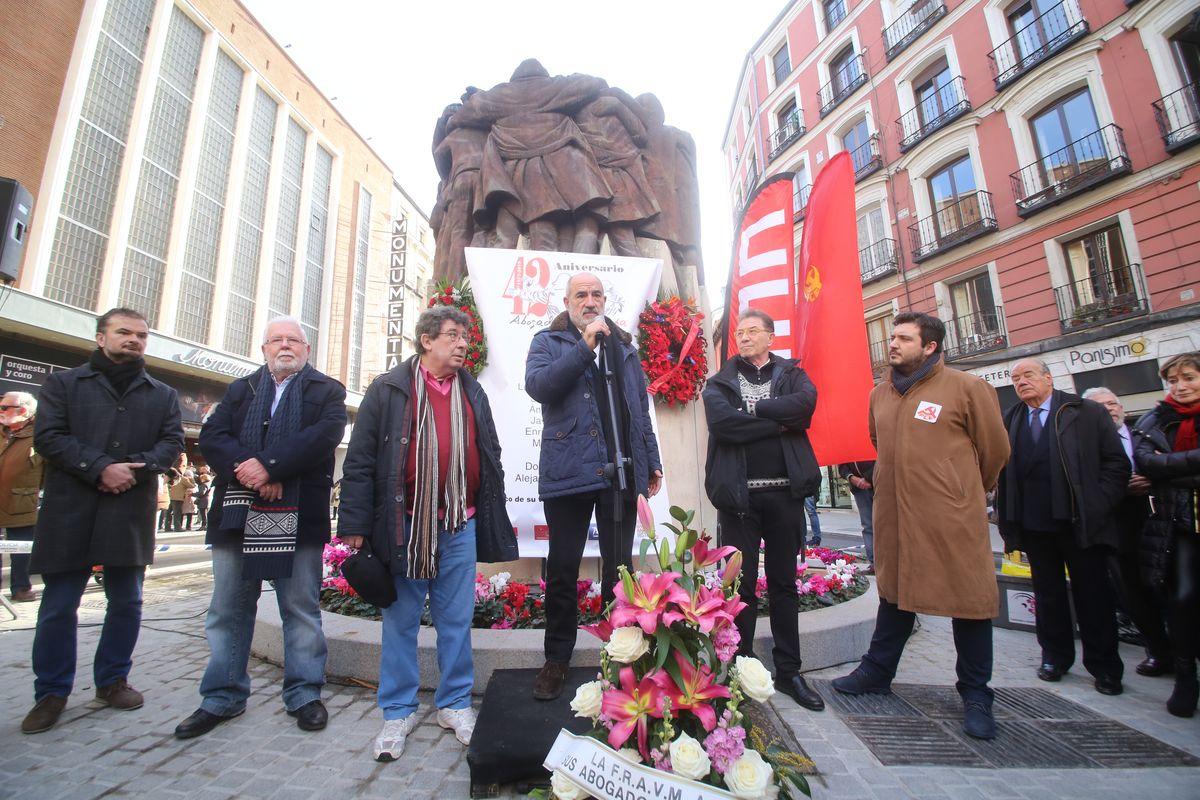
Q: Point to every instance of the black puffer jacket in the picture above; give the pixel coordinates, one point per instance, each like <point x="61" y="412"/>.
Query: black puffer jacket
<point x="1176" y="479"/>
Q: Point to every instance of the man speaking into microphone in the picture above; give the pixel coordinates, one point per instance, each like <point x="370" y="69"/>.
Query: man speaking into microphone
<point x="585" y="372"/>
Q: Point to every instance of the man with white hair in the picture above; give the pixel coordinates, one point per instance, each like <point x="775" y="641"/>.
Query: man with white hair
<point x="20" y="480"/>
<point x="271" y="443"/>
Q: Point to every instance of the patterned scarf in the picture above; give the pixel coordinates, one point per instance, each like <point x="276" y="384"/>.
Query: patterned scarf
<point x="268" y="528"/>
<point x="421" y="549"/>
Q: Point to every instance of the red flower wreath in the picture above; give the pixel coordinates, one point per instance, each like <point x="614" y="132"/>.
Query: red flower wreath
<point x="459" y="295"/>
<point x="671" y="346"/>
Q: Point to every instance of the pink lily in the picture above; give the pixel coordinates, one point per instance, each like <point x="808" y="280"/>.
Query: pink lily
<point x="630" y="707"/>
<point x="733" y="568"/>
<point x="602" y="630"/>
<point x="650" y="595"/>
<point x="699" y="686"/>
<point x="733" y="607"/>
<point x="704" y="556"/>
<point x="645" y="516"/>
<point x="704" y="609"/>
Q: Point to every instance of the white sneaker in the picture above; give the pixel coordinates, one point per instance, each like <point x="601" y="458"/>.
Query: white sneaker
<point x="459" y="720"/>
<point x="389" y="744"/>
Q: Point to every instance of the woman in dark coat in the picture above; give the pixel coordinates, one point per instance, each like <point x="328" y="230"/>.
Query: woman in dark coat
<point x="1167" y="451"/>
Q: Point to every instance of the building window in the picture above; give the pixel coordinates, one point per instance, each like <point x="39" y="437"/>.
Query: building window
<point x="1102" y="284"/>
<point x="844" y="71"/>
<point x="1185" y="46"/>
<point x="1039" y="29"/>
<point x="877" y="251"/>
<point x="878" y="332"/>
<point x="362" y="248"/>
<point x="788" y="128"/>
<point x="243" y="278"/>
<point x="154" y="204"/>
<point x="751" y="172"/>
<point x="81" y="233"/>
<point x="978" y="323"/>
<point x="835" y="12"/>
<point x="934" y="92"/>
<point x="952" y="192"/>
<point x="208" y="202"/>
<point x="288" y="221"/>
<point x="863" y="149"/>
<point x="781" y="64"/>
<point x="1061" y="134"/>
<point x="801" y="186"/>
<point x="786" y="116"/>
<point x="1178" y="113"/>
<point x="314" y="270"/>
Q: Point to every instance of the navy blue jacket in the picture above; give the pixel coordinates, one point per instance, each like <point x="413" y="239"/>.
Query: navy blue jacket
<point x="573" y="448"/>
<point x="309" y="454"/>
<point x="372" y="499"/>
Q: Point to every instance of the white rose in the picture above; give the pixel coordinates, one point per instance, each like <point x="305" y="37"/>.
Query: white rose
<point x="751" y="778"/>
<point x="754" y="678"/>
<point x="588" y="698"/>
<point x="627" y="645"/>
<point x="630" y="754"/>
<point x="563" y="788"/>
<point x="688" y="758"/>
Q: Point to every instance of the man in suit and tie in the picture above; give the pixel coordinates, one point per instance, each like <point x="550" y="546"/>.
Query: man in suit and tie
<point x="1131" y="514"/>
<point x="1066" y="474"/>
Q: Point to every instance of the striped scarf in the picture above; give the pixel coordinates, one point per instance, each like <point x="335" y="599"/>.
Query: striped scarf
<point x="421" y="549"/>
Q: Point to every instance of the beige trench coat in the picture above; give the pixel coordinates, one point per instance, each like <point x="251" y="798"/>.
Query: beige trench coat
<point x="941" y="448"/>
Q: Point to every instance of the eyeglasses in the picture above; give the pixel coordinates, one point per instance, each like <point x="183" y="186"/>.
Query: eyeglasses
<point x="10" y="408"/>
<point x="281" y="340"/>
<point x="748" y="332"/>
<point x="452" y="335"/>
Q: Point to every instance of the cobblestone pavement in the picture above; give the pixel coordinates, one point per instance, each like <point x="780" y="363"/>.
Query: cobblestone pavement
<point x="97" y="752"/>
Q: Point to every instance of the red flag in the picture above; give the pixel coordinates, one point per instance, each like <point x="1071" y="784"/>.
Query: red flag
<point x="829" y="332"/>
<point x="762" y="275"/>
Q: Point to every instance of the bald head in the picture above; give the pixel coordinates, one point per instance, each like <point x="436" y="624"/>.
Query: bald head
<point x="585" y="299"/>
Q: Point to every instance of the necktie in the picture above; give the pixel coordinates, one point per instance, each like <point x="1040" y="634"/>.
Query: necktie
<point x="1035" y="424"/>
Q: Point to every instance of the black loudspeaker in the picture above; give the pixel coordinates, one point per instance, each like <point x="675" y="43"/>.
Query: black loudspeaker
<point x="16" y="205"/>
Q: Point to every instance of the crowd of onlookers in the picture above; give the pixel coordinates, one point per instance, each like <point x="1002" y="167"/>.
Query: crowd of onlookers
<point x="183" y="494"/>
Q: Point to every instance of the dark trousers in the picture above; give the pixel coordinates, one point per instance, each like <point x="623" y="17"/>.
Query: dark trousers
<point x="568" y="519"/>
<point x="777" y="519"/>
<point x="164" y="519"/>
<point x="1183" y="598"/>
<point x="19" y="576"/>
<point x="972" y="640"/>
<point x="1141" y="604"/>
<point x="54" y="642"/>
<point x="1049" y="552"/>
<point x="202" y="511"/>
<point x="177" y="515"/>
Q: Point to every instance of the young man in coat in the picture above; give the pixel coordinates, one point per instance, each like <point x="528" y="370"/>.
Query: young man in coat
<point x="271" y="443"/>
<point x="425" y="450"/>
<point x="760" y="470"/>
<point x="106" y="430"/>
<point x="21" y="471"/>
<point x="941" y="444"/>
<point x="1055" y="503"/>
<point x="575" y="474"/>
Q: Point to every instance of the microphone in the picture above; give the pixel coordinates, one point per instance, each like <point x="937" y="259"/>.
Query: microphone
<point x="599" y="337"/>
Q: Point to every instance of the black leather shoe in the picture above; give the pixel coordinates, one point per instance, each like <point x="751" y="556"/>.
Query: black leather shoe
<point x="978" y="721"/>
<point x="311" y="716"/>
<point x="1106" y="684"/>
<point x="799" y="690"/>
<point x="200" y="723"/>
<point x="1051" y="673"/>
<point x="549" y="681"/>
<point x="1153" y="667"/>
<point x="859" y="682"/>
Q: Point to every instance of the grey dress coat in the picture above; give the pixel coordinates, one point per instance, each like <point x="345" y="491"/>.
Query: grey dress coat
<point x="82" y="426"/>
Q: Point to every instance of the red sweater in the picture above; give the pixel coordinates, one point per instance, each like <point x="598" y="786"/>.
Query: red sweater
<point x="438" y="393"/>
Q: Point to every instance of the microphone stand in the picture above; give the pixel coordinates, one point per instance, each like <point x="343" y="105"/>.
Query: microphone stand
<point x="615" y="470"/>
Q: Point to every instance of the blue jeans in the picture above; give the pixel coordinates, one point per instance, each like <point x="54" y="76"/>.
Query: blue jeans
<point x="865" y="499"/>
<point x="229" y="627"/>
<point x="54" y="642"/>
<point x="452" y="604"/>
<point x="19" y="577"/>
<point x="814" y="522"/>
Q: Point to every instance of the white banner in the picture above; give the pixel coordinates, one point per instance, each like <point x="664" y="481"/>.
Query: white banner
<point x="520" y="292"/>
<point x="598" y="769"/>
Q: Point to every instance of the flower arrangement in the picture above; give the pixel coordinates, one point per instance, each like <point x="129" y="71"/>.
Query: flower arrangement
<point x="842" y="580"/>
<point x="671" y="347"/>
<point x="671" y="684"/>
<point x="461" y="297"/>
<point x="501" y="602"/>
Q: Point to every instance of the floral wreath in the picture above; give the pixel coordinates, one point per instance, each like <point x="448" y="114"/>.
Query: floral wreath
<point x="671" y="346"/>
<point x="461" y="297"/>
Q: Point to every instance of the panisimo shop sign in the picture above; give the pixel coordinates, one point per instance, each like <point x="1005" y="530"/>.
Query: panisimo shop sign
<point x="1109" y="354"/>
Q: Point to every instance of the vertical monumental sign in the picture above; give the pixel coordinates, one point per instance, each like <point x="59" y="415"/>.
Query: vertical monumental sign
<point x="397" y="267"/>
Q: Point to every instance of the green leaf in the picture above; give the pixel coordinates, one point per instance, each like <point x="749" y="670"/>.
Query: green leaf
<point x="627" y="582"/>
<point x="662" y="643"/>
<point x="673" y="529"/>
<point x="679" y="514"/>
<point x="672" y="668"/>
<point x="691" y="515"/>
<point x="687" y="583"/>
<point x="645" y="549"/>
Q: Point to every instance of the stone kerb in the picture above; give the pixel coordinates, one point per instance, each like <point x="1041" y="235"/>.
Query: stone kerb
<point x="828" y="636"/>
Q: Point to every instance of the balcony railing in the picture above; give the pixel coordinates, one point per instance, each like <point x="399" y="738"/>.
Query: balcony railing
<point x="1102" y="297"/>
<point x="976" y="333"/>
<point x="800" y="200"/>
<point x="789" y="131"/>
<point x="877" y="260"/>
<point x="1049" y="33"/>
<point x="879" y="354"/>
<point x="946" y="104"/>
<point x="967" y="218"/>
<point x="842" y="84"/>
<point x="1178" y="117"/>
<point x="1084" y="163"/>
<point x="905" y="30"/>
<point x="866" y="158"/>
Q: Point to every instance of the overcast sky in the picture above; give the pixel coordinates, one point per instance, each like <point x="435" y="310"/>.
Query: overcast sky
<point x="393" y="66"/>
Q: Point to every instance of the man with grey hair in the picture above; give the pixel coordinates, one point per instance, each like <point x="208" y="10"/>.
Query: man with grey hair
<point x="1055" y="499"/>
<point x="271" y="443"/>
<point x="20" y="481"/>
<point x="1132" y="512"/>
<point x="423" y="492"/>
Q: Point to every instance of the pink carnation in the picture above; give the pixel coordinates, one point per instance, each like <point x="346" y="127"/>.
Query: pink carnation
<point x="725" y="746"/>
<point x="725" y="641"/>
